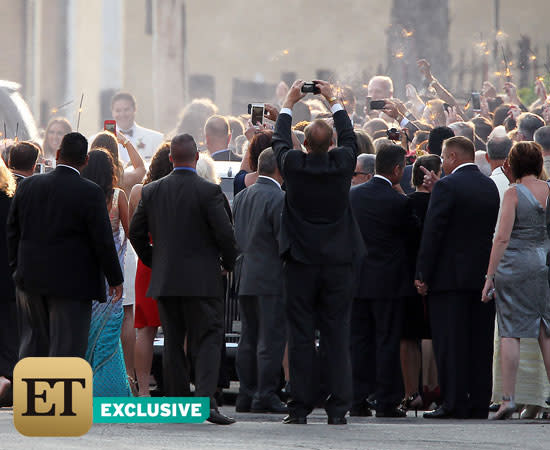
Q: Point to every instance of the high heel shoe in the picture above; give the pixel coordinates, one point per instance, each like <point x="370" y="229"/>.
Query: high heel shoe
<point x="506" y="411"/>
<point x="412" y="402"/>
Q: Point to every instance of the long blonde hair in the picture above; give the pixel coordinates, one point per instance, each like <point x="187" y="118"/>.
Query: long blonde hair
<point x="207" y="169"/>
<point x="7" y="180"/>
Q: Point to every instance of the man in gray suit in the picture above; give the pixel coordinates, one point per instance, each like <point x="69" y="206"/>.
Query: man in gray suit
<point x="257" y="212"/>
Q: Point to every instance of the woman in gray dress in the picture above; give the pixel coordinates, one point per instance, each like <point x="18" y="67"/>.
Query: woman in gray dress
<point x="517" y="267"/>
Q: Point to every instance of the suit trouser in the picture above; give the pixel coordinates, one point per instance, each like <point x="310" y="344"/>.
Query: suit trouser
<point x="261" y="345"/>
<point x="50" y="326"/>
<point x="9" y="338"/>
<point x="323" y="293"/>
<point x="201" y="320"/>
<point x="384" y="317"/>
<point x="363" y="351"/>
<point x="462" y="329"/>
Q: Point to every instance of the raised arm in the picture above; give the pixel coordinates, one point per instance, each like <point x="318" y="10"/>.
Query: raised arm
<point x="282" y="138"/>
<point x="137" y="172"/>
<point x="13" y="234"/>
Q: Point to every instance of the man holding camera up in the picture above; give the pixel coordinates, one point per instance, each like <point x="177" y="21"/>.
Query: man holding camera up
<point x="319" y="242"/>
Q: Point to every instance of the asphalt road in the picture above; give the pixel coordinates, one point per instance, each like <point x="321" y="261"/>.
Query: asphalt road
<point x="260" y="431"/>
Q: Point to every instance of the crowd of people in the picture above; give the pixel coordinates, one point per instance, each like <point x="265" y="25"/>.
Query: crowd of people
<point x="392" y="258"/>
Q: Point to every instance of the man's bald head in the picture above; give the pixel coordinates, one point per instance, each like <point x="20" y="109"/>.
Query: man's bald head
<point x="318" y="136"/>
<point x="217" y="133"/>
<point x="183" y="150"/>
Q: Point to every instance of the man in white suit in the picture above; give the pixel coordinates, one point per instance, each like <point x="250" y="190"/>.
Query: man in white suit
<point x="146" y="141"/>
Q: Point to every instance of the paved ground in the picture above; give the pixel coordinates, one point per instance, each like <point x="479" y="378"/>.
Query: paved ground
<point x="256" y="431"/>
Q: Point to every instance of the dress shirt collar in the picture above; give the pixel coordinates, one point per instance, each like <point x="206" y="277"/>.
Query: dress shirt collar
<point x="70" y="167"/>
<point x="272" y="179"/>
<point x="190" y="169"/>
<point x="130" y="131"/>
<point x="463" y="165"/>
<point x="497" y="171"/>
<point x="219" y="151"/>
<point x="384" y="178"/>
<point x="19" y="175"/>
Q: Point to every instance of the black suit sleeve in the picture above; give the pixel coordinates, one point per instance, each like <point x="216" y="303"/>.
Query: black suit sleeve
<point x="347" y="142"/>
<point x="220" y="224"/>
<point x="435" y="226"/>
<point x="282" y="140"/>
<point x="101" y="238"/>
<point x="139" y="234"/>
<point x="13" y="234"/>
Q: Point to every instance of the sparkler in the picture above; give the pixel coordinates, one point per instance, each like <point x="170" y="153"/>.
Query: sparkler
<point x="507" y="73"/>
<point x="54" y="110"/>
<point x="79" y="111"/>
<point x="534" y="57"/>
<point x="16" y="131"/>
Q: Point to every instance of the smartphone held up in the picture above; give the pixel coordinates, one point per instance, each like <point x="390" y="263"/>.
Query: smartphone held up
<point x="110" y="125"/>
<point x="256" y="111"/>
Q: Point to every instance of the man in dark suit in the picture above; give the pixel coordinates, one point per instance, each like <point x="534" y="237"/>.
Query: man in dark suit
<point x="22" y="162"/>
<point x="319" y="242"/>
<point x="391" y="231"/>
<point x="452" y="261"/>
<point x="217" y="133"/>
<point x="257" y="211"/>
<point x="190" y="228"/>
<point x="60" y="248"/>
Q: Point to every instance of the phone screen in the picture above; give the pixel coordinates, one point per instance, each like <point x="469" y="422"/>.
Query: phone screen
<point x="257" y="116"/>
<point x="476" y="101"/>
<point x="110" y="126"/>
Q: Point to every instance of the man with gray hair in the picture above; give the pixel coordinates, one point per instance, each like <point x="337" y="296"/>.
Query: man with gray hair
<point x="257" y="212"/>
<point x="364" y="169"/>
<point x="528" y="123"/>
<point x="498" y="148"/>
<point x="464" y="129"/>
<point x="542" y="137"/>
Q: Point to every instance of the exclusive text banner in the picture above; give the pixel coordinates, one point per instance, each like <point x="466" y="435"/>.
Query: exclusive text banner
<point x="151" y="409"/>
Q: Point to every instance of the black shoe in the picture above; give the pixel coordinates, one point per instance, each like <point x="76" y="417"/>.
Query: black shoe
<point x="337" y="421"/>
<point x="493" y="407"/>
<point x="439" y="413"/>
<point x="394" y="412"/>
<point x="361" y="410"/>
<point x="274" y="405"/>
<point x="243" y="403"/>
<point x="220" y="419"/>
<point x="294" y="420"/>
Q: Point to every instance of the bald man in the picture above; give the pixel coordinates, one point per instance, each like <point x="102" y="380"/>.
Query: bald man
<point x="319" y="241"/>
<point x="218" y="135"/>
<point x="192" y="232"/>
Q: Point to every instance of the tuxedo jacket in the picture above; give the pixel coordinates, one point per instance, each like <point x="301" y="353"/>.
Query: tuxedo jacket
<point x="226" y="155"/>
<point x="60" y="241"/>
<point x="191" y="230"/>
<point x="317" y="224"/>
<point x="458" y="231"/>
<point x="391" y="232"/>
<point x="257" y="212"/>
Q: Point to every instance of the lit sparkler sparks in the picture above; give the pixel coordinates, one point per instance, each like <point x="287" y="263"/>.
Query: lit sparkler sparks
<point x="406" y="33"/>
<point x="399" y="55"/>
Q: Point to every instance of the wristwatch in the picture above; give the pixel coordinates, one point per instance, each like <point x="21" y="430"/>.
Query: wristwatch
<point x="332" y="99"/>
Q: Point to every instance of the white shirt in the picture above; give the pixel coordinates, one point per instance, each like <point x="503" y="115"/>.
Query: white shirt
<point x="272" y="179"/>
<point x="383" y="178"/>
<point x="144" y="140"/>
<point x="70" y="167"/>
<point x="334" y="108"/>
<point x="463" y="165"/>
<point x="503" y="184"/>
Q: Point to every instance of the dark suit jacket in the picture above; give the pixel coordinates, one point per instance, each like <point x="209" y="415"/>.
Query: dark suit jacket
<point x="317" y="223"/>
<point x="7" y="289"/>
<point x="257" y="212"/>
<point x="226" y="155"/>
<point x="60" y="241"/>
<point x="190" y="229"/>
<point x="406" y="181"/>
<point x="391" y="232"/>
<point x="458" y="231"/>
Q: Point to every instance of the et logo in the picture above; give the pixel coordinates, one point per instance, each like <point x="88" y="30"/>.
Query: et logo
<point x="52" y="397"/>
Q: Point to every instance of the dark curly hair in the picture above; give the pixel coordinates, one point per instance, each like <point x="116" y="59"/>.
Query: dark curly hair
<point x="258" y="144"/>
<point x="160" y="164"/>
<point x="101" y="170"/>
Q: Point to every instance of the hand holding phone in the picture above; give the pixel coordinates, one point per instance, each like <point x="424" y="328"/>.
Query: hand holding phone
<point x="310" y="88"/>
<point x="257" y="113"/>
